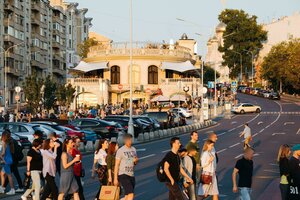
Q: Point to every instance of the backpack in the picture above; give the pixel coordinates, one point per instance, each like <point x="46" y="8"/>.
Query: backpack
<point x="18" y="154"/>
<point x="160" y="173"/>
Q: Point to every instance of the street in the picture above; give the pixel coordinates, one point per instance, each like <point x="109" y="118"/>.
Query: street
<point x="276" y="124"/>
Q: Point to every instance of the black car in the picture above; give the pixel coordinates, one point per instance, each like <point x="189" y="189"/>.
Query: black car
<point x="103" y="129"/>
<point x="139" y="126"/>
<point x="274" y="95"/>
<point x="25" y="143"/>
<point x="155" y="124"/>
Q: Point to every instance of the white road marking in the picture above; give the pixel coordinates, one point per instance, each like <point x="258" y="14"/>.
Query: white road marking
<point x="165" y="151"/>
<point x="286" y="123"/>
<point x="239" y="156"/>
<point x="232" y="129"/>
<point x="221" y="151"/>
<point x="140" y="150"/>
<point x="221" y="134"/>
<point x="234" y="122"/>
<point x="255" y="135"/>
<point x="298" y="132"/>
<point x="267" y="126"/>
<point x="234" y="145"/>
<point x="259" y="123"/>
<point x="256" y="154"/>
<point x="278" y="134"/>
<point x="151" y="155"/>
<point x="272" y="171"/>
<point x="273" y="164"/>
<point x="261" y="130"/>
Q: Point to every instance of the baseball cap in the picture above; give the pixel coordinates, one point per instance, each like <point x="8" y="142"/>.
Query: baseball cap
<point x="296" y="147"/>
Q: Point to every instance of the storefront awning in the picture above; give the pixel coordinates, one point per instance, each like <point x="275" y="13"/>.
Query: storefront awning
<point x="87" y="67"/>
<point x="178" y="97"/>
<point x="180" y="67"/>
<point x="160" y="98"/>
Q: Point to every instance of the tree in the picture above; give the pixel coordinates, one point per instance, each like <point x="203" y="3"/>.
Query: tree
<point x="32" y="90"/>
<point x="70" y="94"/>
<point x="282" y="65"/>
<point x="209" y="74"/>
<point x="49" y="93"/>
<point x="243" y="35"/>
<point x="61" y="94"/>
<point x="84" y="47"/>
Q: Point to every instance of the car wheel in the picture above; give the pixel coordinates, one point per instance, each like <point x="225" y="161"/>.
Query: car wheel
<point x="242" y="112"/>
<point x="257" y="110"/>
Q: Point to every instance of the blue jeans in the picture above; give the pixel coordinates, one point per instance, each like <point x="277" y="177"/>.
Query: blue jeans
<point x="245" y="193"/>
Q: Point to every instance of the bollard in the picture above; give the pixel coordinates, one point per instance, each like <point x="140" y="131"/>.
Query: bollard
<point x="156" y="134"/>
<point x="89" y="146"/>
<point x="169" y="132"/>
<point x="146" y="136"/>
<point x="177" y="132"/>
<point x="151" y="135"/>
<point x="82" y="147"/>
<point x="184" y="129"/>
<point x="165" y="133"/>
<point x="161" y="133"/>
<point x="141" y="137"/>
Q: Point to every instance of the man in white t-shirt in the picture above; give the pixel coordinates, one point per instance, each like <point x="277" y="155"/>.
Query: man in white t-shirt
<point x="247" y="136"/>
<point x="126" y="159"/>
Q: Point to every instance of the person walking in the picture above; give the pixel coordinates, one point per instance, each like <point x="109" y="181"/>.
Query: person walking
<point x="100" y="164"/>
<point x="213" y="137"/>
<point x="34" y="169"/>
<point x="126" y="159"/>
<point x="283" y="160"/>
<point x="189" y="165"/>
<point x="78" y="166"/>
<point x="173" y="169"/>
<point x="54" y="137"/>
<point x="294" y="172"/>
<point x="193" y="144"/>
<point x="244" y="168"/>
<point x="111" y="160"/>
<point x="209" y="165"/>
<point x="68" y="183"/>
<point x="6" y="157"/>
<point x="49" y="153"/>
<point x="247" y="136"/>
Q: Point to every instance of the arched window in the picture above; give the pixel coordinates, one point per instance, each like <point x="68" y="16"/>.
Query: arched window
<point x="115" y="74"/>
<point x="152" y="74"/>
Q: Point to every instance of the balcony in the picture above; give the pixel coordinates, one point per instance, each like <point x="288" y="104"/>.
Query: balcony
<point x="12" y="71"/>
<point x="59" y="71"/>
<point x="35" y="20"/>
<point x="141" y="50"/>
<point x="35" y="63"/>
<point x="56" y="45"/>
<point x="11" y="39"/>
<point x="35" y="7"/>
<point x="8" y="7"/>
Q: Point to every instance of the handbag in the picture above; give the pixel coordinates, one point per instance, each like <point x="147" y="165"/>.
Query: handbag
<point x="82" y="173"/>
<point x="26" y="182"/>
<point x="109" y="193"/>
<point x="207" y="177"/>
<point x="101" y="171"/>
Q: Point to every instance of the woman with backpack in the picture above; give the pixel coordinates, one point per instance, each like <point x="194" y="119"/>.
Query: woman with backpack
<point x="6" y="156"/>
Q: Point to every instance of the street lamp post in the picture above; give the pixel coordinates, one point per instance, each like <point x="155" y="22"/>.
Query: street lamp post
<point x="186" y="89"/>
<point x="130" y="123"/>
<point x="5" y="73"/>
<point x="241" y="63"/>
<point x="252" y="64"/>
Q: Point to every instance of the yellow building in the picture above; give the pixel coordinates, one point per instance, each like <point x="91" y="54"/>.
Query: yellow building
<point x="103" y="77"/>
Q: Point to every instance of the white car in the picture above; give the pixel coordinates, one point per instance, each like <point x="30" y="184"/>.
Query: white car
<point x="48" y="129"/>
<point x="246" y="108"/>
<point x="186" y="113"/>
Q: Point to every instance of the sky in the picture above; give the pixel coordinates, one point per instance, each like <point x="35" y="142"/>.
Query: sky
<point x="155" y="20"/>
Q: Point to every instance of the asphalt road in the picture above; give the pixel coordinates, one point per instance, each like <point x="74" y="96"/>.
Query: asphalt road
<point x="278" y="123"/>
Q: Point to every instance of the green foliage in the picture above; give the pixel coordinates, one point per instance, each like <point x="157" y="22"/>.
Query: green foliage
<point x="61" y="94"/>
<point x="49" y="93"/>
<point x="70" y="94"/>
<point x="209" y="74"/>
<point x="83" y="48"/>
<point x="32" y="89"/>
<point x="242" y="33"/>
<point x="283" y="64"/>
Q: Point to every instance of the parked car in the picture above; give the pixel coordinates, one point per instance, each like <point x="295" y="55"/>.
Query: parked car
<point x="21" y="129"/>
<point x="61" y="135"/>
<point x="153" y="121"/>
<point x="274" y="95"/>
<point x="104" y="129"/>
<point x="73" y="133"/>
<point x="247" y="90"/>
<point x="22" y="140"/>
<point x="162" y="118"/>
<point x="185" y="112"/>
<point x="246" y="108"/>
<point x="240" y="88"/>
<point x="89" y="134"/>
<point x="255" y="91"/>
<point x="266" y="94"/>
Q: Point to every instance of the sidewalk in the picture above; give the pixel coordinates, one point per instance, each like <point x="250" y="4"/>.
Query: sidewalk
<point x="291" y="98"/>
<point x="272" y="191"/>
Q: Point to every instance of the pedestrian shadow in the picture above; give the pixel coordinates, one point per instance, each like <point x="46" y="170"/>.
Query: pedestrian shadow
<point x="256" y="144"/>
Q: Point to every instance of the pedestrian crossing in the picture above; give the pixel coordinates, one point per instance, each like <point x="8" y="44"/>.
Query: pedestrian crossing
<point x="282" y="113"/>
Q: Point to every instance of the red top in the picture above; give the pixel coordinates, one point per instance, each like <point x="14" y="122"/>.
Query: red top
<point x="77" y="166"/>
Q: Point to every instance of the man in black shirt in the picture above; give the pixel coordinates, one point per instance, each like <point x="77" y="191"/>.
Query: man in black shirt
<point x="53" y="137"/>
<point x="173" y="169"/>
<point x="294" y="169"/>
<point x="244" y="168"/>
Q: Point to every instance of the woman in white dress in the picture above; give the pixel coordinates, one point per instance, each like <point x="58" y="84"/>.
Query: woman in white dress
<point x="209" y="166"/>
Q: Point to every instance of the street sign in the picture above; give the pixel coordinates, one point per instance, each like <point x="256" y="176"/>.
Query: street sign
<point x="233" y="84"/>
<point x="18" y="89"/>
<point x="233" y="89"/>
<point x="210" y="84"/>
<point x="120" y="86"/>
<point x="148" y="90"/>
<point x="204" y="90"/>
<point x="17" y="97"/>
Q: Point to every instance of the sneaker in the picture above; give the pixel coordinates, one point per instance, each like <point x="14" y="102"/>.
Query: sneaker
<point x="2" y="190"/>
<point x="23" y="198"/>
<point x="19" y="190"/>
<point x="11" y="192"/>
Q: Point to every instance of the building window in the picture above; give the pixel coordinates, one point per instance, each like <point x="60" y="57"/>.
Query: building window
<point x="169" y="73"/>
<point x="152" y="74"/>
<point x="115" y="75"/>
